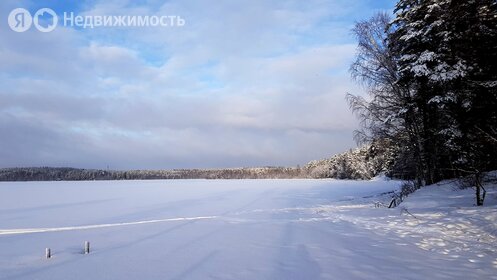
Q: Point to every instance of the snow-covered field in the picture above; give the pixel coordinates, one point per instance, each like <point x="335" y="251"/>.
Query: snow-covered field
<point x="243" y="229"/>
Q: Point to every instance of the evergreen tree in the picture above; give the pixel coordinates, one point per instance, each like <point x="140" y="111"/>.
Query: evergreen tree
<point x="432" y="78"/>
<point x="446" y="53"/>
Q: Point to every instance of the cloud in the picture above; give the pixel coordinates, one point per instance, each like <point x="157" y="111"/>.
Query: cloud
<point x="238" y="85"/>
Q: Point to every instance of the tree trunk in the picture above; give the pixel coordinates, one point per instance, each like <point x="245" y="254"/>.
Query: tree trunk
<point x="480" y="191"/>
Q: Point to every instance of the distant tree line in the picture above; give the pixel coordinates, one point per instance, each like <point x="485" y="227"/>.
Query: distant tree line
<point x="75" y="174"/>
<point x="431" y="75"/>
<point x="360" y="163"/>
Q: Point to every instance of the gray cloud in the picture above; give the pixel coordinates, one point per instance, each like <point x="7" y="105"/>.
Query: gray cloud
<point x="234" y="87"/>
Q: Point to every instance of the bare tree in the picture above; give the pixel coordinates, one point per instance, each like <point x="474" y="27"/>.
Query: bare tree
<point x="388" y="114"/>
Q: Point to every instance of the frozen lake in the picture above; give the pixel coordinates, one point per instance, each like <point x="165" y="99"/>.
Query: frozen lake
<point x="219" y="229"/>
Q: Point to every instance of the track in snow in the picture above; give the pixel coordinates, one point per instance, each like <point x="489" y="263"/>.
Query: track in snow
<point x="39" y="230"/>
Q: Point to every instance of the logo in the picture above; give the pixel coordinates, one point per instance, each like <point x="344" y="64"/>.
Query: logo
<point x="52" y="18"/>
<point x="20" y="20"/>
<point x="45" y="20"/>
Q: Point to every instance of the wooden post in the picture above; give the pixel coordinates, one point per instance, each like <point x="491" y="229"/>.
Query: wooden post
<point x="393" y="203"/>
<point x="48" y="254"/>
<point x="87" y="247"/>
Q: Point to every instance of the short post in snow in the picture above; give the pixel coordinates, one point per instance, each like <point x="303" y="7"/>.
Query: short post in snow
<point x="87" y="247"/>
<point x="48" y="253"/>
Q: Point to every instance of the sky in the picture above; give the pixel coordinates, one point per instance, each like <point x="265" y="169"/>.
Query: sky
<point x="241" y="83"/>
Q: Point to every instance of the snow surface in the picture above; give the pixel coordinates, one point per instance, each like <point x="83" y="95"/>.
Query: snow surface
<point x="244" y="229"/>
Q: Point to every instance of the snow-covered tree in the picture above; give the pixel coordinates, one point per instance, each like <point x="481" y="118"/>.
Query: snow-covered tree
<point x="388" y="116"/>
<point x="447" y="55"/>
<point x="431" y="74"/>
